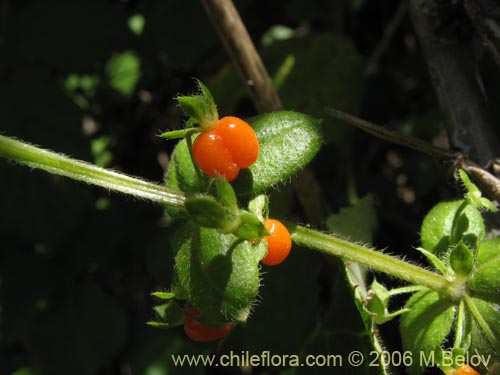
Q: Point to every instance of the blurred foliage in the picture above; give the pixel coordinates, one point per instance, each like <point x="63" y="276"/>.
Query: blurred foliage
<point x="95" y="80"/>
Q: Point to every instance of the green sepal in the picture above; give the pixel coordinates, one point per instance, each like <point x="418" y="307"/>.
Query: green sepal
<point x="208" y="212"/>
<point x="434" y="260"/>
<point x="225" y="193"/>
<point x="170" y="315"/>
<point x="201" y="109"/>
<point x="193" y="106"/>
<point x="163" y="295"/>
<point x="209" y="101"/>
<point x="461" y="260"/>
<point x="217" y="273"/>
<point x="250" y="227"/>
<point x="176" y="134"/>
<point x="259" y="206"/>
<point x="474" y="195"/>
<point x="377" y="304"/>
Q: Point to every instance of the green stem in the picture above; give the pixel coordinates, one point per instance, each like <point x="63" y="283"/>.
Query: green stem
<point x="62" y="165"/>
<point x="459" y="329"/>
<point x="374" y="259"/>
<point x="488" y="332"/>
<point x="55" y="163"/>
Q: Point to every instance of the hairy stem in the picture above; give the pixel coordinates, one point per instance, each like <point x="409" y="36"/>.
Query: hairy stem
<point x="55" y="163"/>
<point x="62" y="165"/>
<point x="374" y="259"/>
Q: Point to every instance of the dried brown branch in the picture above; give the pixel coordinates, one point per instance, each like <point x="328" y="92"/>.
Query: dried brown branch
<point x="448" y="46"/>
<point x="245" y="57"/>
<point x="392" y="136"/>
<point x="240" y="47"/>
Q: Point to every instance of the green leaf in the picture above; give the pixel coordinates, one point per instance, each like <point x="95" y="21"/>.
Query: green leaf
<point x="124" y="71"/>
<point x="288" y="141"/>
<point x="358" y="222"/>
<point x="225" y="193"/>
<point x="461" y="260"/>
<point x="218" y="273"/>
<point x="426" y="325"/>
<point x="434" y="260"/>
<point x="193" y="106"/>
<point x="163" y="295"/>
<point x="207" y="212"/>
<point x="170" y="313"/>
<point x="437" y="226"/>
<point x="474" y="194"/>
<point x="176" y="134"/>
<point x="485" y="325"/>
<point x="485" y="280"/>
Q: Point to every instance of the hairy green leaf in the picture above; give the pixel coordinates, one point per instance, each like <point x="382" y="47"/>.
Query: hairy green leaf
<point x="426" y="325"/>
<point x="437" y="226"/>
<point x="218" y="273"/>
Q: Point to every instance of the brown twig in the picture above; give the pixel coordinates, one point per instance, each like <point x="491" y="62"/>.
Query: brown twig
<point x="447" y="44"/>
<point x="392" y="136"/>
<point x="245" y="57"/>
<point x="240" y="47"/>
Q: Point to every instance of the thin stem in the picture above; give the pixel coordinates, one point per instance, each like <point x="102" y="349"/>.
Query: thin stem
<point x="492" y="337"/>
<point x="459" y="330"/>
<point x="406" y="289"/>
<point x="392" y="136"/>
<point x="374" y="259"/>
<point x="55" y="163"/>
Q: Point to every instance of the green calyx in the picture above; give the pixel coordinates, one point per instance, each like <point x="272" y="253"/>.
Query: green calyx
<point x="200" y="108"/>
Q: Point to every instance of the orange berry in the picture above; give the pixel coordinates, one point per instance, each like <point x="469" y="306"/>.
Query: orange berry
<point x="198" y="332"/>
<point x="213" y="157"/>
<point x="279" y="243"/>
<point x="240" y="139"/>
<point x="466" y="370"/>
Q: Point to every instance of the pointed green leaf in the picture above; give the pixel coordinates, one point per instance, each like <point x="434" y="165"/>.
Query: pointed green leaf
<point x="210" y="107"/>
<point x="437" y="226"/>
<point x="176" y="134"/>
<point x="461" y="260"/>
<point x="170" y="313"/>
<point x="259" y="206"/>
<point x="225" y="193"/>
<point x="358" y="222"/>
<point x="163" y="295"/>
<point x="193" y="106"/>
<point x="425" y="326"/>
<point x="434" y="260"/>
